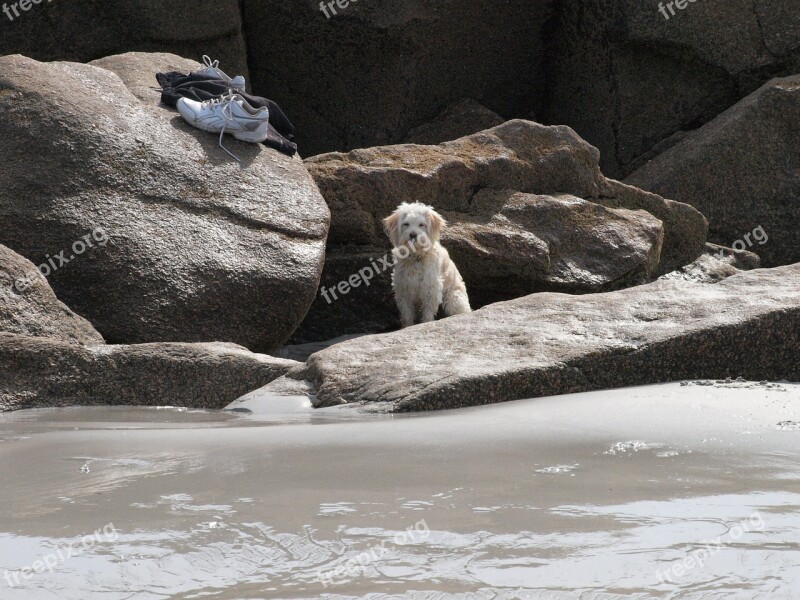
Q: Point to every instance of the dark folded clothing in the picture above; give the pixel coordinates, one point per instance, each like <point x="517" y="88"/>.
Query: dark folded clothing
<point x="199" y="87"/>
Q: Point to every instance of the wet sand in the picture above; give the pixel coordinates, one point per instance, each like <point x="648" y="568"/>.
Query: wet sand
<point x="669" y="491"/>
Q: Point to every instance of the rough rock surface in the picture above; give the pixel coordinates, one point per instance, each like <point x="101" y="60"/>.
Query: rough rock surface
<point x="458" y="120"/>
<point x="44" y="372"/>
<point x="49" y="356"/>
<point x="715" y="264"/>
<point x="364" y="186"/>
<point x="628" y="80"/>
<point x="544" y="344"/>
<point x="83" y="30"/>
<point x="199" y="247"/>
<point x="741" y="171"/>
<point x="512" y="244"/>
<point x="378" y="68"/>
<point x="29" y="307"/>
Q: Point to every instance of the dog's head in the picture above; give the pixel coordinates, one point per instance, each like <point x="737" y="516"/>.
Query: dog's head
<point x="415" y="226"/>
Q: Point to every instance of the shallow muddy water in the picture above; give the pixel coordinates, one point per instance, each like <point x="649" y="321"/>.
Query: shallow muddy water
<point x="671" y="491"/>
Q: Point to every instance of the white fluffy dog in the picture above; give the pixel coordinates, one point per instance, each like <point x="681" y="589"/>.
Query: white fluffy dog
<point x="424" y="277"/>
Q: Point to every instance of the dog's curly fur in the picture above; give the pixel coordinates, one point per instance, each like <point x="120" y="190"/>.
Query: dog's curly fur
<point x="424" y="276"/>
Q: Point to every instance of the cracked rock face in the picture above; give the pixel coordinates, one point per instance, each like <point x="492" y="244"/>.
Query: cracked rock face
<point x="184" y="244"/>
<point x="715" y="264"/>
<point x="545" y="344"/>
<point x="376" y="69"/>
<point x="742" y="171"/>
<point x="363" y="186"/>
<point x="629" y="80"/>
<point x="584" y="233"/>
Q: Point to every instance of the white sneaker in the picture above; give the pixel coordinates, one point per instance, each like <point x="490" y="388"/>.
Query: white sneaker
<point x="229" y="114"/>
<point x="212" y="70"/>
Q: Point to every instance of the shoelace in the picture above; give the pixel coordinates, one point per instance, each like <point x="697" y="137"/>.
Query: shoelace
<point x="227" y="112"/>
<point x="209" y="63"/>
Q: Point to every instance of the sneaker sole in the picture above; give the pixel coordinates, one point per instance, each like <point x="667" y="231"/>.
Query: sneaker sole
<point x="249" y="137"/>
<point x="245" y="136"/>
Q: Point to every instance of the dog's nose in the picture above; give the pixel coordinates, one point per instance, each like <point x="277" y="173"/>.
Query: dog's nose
<point x="412" y="236"/>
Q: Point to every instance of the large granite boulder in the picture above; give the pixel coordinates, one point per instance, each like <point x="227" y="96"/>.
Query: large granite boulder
<point x="741" y="171"/>
<point x="575" y="241"/>
<point x="29" y="307"/>
<point x="83" y="30"/>
<point x="747" y="325"/>
<point x="374" y="69"/>
<point x="629" y="80"/>
<point x="158" y="234"/>
<point x="49" y="356"/>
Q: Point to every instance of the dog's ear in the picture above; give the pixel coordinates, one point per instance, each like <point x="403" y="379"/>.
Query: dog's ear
<point x="437" y="224"/>
<point x="392" y="226"/>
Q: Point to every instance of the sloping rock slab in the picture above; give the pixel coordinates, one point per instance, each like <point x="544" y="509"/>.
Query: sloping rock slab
<point x="715" y="264"/>
<point x="199" y="248"/>
<point x="544" y="344"/>
<point x="29" y="307"/>
<point x="42" y="372"/>
<point x="742" y="171"/>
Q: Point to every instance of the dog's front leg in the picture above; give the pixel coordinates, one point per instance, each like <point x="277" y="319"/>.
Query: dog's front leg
<point x="431" y="302"/>
<point x="403" y="295"/>
<point x="428" y="314"/>
<point x="407" y="311"/>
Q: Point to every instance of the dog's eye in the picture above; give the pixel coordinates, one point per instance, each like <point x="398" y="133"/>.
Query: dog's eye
<point x="423" y="225"/>
<point x="405" y="225"/>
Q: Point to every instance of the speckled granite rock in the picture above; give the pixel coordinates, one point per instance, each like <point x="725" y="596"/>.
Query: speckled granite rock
<point x="200" y="248"/>
<point x="364" y="186"/>
<point x="45" y="372"/>
<point x="512" y="244"/>
<point x="29" y="307"/>
<point x="629" y="80"/>
<point x="715" y="264"/>
<point x="49" y="356"/>
<point x="747" y="325"/>
<point x="741" y="170"/>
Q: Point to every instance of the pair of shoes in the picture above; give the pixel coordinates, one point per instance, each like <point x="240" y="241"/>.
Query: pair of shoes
<point x="212" y="70"/>
<point x="230" y="114"/>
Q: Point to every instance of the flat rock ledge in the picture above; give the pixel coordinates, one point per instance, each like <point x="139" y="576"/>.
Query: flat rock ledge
<point x="546" y="344"/>
<point x="41" y="372"/>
